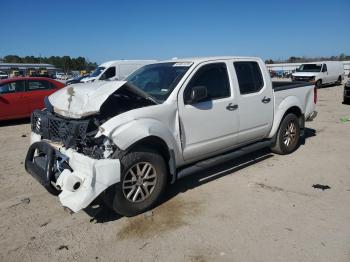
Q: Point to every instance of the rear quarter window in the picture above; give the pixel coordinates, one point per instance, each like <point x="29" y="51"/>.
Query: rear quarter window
<point x="249" y="77"/>
<point x="39" y="85"/>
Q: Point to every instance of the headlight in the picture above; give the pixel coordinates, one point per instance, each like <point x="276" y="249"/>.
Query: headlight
<point x="348" y="83"/>
<point x="312" y="78"/>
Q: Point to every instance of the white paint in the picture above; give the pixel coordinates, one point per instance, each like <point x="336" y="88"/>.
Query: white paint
<point x="95" y="177"/>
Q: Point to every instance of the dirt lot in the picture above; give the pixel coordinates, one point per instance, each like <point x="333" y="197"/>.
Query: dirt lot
<point x="258" y="208"/>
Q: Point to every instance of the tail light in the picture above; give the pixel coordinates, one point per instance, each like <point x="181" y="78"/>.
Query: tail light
<point x="315" y="94"/>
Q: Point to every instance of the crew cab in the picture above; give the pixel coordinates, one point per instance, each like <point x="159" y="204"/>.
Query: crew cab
<point x="19" y="97"/>
<point x="125" y="140"/>
<point x="320" y="73"/>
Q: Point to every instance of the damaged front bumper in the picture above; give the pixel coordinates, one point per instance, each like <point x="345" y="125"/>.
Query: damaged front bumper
<point x="74" y="177"/>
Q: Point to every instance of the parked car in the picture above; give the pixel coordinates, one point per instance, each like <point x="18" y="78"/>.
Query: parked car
<point x="346" y="96"/>
<point x="115" y="70"/>
<point x="128" y="139"/>
<point x="19" y="97"/>
<point x="59" y="75"/>
<point x="3" y="75"/>
<point x="320" y="73"/>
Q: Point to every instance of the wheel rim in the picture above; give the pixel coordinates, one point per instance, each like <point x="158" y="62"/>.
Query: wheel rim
<point x="139" y="182"/>
<point x="290" y="135"/>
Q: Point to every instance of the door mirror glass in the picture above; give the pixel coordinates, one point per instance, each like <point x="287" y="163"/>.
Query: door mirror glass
<point x="198" y="93"/>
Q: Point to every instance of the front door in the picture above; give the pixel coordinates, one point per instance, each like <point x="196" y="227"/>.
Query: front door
<point x="208" y="126"/>
<point x="255" y="102"/>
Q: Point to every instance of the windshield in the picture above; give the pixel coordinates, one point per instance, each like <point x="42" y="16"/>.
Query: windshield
<point x="97" y="71"/>
<point x="310" y="68"/>
<point x="158" y="80"/>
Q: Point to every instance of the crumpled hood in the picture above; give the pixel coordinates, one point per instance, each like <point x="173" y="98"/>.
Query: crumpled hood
<point x="80" y="100"/>
<point x="305" y="74"/>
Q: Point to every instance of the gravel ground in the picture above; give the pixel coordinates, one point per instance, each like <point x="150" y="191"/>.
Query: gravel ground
<point x="262" y="207"/>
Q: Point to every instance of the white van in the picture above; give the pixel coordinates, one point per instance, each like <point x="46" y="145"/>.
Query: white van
<point x="320" y="73"/>
<point x="115" y="70"/>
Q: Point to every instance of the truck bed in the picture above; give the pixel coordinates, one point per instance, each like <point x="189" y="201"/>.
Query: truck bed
<point x="283" y="85"/>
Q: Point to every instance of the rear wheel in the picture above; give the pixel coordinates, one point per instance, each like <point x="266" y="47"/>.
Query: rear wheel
<point x="346" y="100"/>
<point x="338" y="83"/>
<point x="143" y="180"/>
<point x="288" y="135"/>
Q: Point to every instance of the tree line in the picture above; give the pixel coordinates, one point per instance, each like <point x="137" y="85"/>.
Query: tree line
<point x="304" y="59"/>
<point x="66" y="63"/>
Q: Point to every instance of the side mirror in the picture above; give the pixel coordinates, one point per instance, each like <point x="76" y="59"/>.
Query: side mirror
<point x="198" y="93"/>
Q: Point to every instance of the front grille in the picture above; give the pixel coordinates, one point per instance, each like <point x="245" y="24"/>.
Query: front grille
<point x="58" y="129"/>
<point x="302" y="78"/>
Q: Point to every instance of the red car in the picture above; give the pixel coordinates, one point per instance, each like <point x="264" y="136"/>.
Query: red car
<point x="19" y="97"/>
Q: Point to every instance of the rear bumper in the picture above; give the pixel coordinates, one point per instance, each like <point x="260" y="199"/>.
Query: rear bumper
<point x="75" y="178"/>
<point x="312" y="116"/>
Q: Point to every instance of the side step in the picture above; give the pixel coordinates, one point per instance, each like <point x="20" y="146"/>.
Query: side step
<point x="204" y="164"/>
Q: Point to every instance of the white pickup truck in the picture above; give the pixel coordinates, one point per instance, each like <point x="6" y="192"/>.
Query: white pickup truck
<point x="126" y="140"/>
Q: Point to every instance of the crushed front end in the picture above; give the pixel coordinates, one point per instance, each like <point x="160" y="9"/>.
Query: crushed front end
<point x="67" y="159"/>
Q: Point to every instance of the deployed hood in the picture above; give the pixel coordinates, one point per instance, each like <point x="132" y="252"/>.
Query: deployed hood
<point x="305" y="74"/>
<point x="81" y="100"/>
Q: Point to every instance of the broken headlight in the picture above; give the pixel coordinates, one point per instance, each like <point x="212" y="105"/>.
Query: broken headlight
<point x="100" y="148"/>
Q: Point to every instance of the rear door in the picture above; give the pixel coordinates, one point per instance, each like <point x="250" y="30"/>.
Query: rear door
<point x="36" y="91"/>
<point x="12" y="100"/>
<point x="209" y="126"/>
<point x="255" y="101"/>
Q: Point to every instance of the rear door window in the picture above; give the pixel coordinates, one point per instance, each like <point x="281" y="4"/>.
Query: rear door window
<point x="214" y="77"/>
<point x="38" y="85"/>
<point x="249" y="77"/>
<point x="12" y="87"/>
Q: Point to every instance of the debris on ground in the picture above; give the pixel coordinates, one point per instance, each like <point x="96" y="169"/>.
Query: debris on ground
<point x="45" y="223"/>
<point x="344" y="119"/>
<point x="323" y="187"/>
<point x="63" y="247"/>
<point x="24" y="135"/>
<point x="24" y="200"/>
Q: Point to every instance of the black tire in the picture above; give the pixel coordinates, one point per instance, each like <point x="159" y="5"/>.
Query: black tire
<point x="318" y="83"/>
<point x="116" y="196"/>
<point x="338" y="83"/>
<point x="346" y="100"/>
<point x="281" y="146"/>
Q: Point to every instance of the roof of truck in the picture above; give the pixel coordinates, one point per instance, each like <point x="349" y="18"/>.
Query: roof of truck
<point x="209" y="58"/>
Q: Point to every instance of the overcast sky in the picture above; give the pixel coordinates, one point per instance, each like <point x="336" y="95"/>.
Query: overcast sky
<point x="106" y="30"/>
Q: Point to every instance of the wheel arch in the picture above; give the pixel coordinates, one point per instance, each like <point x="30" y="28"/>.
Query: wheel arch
<point x="289" y="105"/>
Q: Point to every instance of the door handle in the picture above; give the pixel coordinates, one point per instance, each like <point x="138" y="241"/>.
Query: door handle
<point x="231" y="107"/>
<point x="266" y="100"/>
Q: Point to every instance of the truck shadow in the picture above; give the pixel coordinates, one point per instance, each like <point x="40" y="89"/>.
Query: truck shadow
<point x="101" y="214"/>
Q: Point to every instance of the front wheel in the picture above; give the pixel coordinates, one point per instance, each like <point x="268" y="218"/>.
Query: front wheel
<point x="143" y="181"/>
<point x="318" y="83"/>
<point x="288" y="135"/>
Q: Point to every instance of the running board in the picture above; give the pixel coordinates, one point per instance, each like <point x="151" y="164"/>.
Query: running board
<point x="204" y="164"/>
